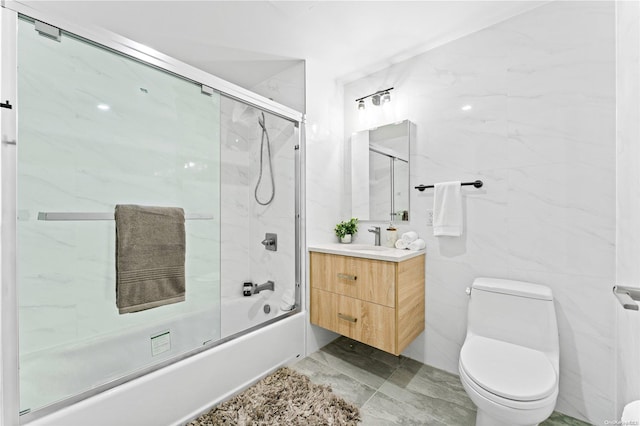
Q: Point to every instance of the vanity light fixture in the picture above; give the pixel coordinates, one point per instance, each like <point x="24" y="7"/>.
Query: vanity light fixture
<point x="377" y="98"/>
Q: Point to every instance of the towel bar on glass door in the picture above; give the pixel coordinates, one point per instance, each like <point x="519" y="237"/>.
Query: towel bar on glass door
<point x="627" y="296"/>
<point x="103" y="216"/>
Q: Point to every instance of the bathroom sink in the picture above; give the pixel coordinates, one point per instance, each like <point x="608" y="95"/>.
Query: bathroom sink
<point x="367" y="251"/>
<point x="364" y="247"/>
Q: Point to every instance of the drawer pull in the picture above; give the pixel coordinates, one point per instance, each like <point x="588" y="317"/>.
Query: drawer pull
<point x="347" y="317"/>
<point x="348" y="277"/>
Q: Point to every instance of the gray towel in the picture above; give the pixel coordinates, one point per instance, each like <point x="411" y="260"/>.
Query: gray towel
<point x="150" y="252"/>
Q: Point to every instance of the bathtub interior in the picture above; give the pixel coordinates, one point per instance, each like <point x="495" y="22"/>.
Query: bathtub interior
<point x="123" y="132"/>
<point x="241" y="313"/>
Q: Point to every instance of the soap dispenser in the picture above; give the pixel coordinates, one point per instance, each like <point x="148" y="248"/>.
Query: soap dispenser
<point x="391" y="236"/>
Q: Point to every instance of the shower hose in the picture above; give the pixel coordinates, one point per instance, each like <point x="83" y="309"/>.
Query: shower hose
<point x="265" y="134"/>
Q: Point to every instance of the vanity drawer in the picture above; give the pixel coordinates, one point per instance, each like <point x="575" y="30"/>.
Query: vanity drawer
<point x="366" y="322"/>
<point x="366" y="279"/>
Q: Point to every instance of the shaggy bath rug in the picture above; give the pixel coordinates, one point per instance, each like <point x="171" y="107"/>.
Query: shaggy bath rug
<point x="283" y="398"/>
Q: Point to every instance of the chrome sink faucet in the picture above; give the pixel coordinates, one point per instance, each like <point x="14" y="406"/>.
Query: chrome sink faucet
<point x="376" y="230"/>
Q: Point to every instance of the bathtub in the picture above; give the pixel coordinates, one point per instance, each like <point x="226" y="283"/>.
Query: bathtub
<point x="181" y="390"/>
<point x="242" y="313"/>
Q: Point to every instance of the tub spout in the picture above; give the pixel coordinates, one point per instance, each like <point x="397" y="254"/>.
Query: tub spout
<point x="269" y="285"/>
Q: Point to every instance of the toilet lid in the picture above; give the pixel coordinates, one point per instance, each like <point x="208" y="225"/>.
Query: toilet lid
<point x="507" y="370"/>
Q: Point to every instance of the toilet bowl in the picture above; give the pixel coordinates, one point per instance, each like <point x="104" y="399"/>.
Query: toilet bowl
<point x="631" y="413"/>
<point x="509" y="361"/>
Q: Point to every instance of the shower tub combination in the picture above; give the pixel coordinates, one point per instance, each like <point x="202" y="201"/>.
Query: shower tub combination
<point x="101" y="123"/>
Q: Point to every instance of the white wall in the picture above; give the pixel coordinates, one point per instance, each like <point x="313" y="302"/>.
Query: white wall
<point x="541" y="135"/>
<point x="286" y="87"/>
<point x="324" y="171"/>
<point x="628" y="197"/>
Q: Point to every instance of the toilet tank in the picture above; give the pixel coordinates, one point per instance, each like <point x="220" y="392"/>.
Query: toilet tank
<point x="513" y="311"/>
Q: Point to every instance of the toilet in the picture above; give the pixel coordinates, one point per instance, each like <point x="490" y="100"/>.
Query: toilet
<point x="509" y="360"/>
<point x="631" y="413"/>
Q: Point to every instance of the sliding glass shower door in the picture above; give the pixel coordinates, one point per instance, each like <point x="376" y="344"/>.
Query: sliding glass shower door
<point x="97" y="129"/>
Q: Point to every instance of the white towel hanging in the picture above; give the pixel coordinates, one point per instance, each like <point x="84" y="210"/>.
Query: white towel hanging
<point x="447" y="209"/>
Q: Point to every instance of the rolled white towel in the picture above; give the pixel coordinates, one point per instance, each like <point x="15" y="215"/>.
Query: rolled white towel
<point x="410" y="236"/>
<point x="402" y="244"/>
<point x="418" y="244"/>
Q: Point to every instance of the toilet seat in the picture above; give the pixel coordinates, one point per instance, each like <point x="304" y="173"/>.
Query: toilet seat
<point x="506" y="373"/>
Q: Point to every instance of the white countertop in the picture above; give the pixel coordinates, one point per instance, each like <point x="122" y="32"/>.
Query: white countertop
<point x="367" y="251"/>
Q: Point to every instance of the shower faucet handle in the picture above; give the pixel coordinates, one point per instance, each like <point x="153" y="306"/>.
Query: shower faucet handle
<point x="270" y="241"/>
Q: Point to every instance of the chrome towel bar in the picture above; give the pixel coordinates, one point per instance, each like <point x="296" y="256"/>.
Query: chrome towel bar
<point x="103" y="216"/>
<point x="627" y="296"/>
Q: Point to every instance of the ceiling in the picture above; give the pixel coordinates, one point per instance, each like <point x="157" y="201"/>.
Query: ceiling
<point x="248" y="39"/>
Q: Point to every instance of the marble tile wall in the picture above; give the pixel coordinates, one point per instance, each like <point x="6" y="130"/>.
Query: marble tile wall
<point x="540" y="133"/>
<point x="628" y="197"/>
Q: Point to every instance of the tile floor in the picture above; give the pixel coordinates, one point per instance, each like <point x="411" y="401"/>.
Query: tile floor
<point x="395" y="390"/>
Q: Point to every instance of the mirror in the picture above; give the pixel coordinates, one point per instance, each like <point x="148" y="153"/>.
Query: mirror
<point x="380" y="173"/>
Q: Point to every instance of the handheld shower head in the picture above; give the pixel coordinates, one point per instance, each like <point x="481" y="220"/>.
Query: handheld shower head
<point x="265" y="135"/>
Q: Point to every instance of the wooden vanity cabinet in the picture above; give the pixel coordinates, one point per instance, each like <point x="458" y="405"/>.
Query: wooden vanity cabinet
<point x="379" y="303"/>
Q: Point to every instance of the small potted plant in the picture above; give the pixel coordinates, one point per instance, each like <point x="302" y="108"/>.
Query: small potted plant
<point x="345" y="230"/>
